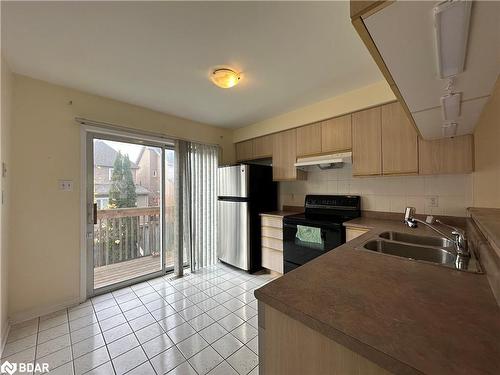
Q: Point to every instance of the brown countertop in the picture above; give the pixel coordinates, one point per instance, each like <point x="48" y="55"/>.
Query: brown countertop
<point x="406" y="316"/>
<point x="278" y="213"/>
<point x="488" y="220"/>
<point x="369" y="223"/>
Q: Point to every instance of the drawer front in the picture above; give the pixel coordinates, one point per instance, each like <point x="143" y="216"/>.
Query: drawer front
<point x="272" y="232"/>
<point x="272" y="243"/>
<point x="272" y="221"/>
<point x="272" y="259"/>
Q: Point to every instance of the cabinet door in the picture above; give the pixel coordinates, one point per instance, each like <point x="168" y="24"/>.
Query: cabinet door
<point x="309" y="140"/>
<point x="447" y="155"/>
<point x="244" y="150"/>
<point x="263" y="147"/>
<point x="285" y="156"/>
<point x="336" y="134"/>
<point x="367" y="142"/>
<point x="399" y="141"/>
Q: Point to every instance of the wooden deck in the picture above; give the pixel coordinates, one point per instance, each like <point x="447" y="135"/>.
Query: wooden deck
<point x="115" y="273"/>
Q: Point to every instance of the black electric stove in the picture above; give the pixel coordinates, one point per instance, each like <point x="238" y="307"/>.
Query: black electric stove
<point x="325" y="212"/>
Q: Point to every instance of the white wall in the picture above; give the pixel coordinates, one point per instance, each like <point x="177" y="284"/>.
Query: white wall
<point x="44" y="244"/>
<point x="389" y="194"/>
<point x="368" y="96"/>
<point x="6" y="123"/>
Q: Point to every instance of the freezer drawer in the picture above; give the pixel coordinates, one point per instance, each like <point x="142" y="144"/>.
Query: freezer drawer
<point x="233" y="181"/>
<point x="234" y="233"/>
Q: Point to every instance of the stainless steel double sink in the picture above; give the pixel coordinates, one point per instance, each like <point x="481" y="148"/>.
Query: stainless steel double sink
<point x="436" y="250"/>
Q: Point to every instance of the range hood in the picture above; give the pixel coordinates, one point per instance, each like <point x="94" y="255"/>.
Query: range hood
<point x="326" y="161"/>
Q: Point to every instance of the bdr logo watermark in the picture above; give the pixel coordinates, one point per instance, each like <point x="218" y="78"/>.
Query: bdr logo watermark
<point x="11" y="368"/>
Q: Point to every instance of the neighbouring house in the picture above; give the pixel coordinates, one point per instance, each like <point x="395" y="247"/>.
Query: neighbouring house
<point x="104" y="159"/>
<point x="148" y="173"/>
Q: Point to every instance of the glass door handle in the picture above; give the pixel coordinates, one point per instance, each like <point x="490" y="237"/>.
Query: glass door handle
<point x="92" y="213"/>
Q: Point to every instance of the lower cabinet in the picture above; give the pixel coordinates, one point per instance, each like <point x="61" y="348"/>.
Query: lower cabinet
<point x="272" y="242"/>
<point x="272" y="259"/>
<point x="289" y="347"/>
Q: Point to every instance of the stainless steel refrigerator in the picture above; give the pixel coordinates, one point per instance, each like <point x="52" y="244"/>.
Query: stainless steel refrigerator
<point x="244" y="191"/>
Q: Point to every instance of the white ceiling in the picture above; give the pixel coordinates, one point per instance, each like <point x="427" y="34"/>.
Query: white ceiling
<point x="160" y="54"/>
<point x="404" y="35"/>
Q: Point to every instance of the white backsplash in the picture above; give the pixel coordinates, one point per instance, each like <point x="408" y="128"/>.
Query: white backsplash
<point x="389" y="194"/>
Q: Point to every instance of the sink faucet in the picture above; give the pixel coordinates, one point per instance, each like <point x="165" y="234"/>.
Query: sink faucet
<point x="457" y="235"/>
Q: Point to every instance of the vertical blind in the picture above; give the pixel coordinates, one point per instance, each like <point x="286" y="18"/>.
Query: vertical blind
<point x="196" y="195"/>
<point x="204" y="162"/>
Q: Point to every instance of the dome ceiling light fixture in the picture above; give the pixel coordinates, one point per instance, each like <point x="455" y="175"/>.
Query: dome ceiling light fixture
<point x="225" y="78"/>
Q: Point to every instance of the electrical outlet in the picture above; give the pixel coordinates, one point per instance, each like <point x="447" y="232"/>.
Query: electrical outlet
<point x="433" y="201"/>
<point x="66" y="185"/>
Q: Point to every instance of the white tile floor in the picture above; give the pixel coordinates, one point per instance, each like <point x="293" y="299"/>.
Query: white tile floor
<point x="203" y="323"/>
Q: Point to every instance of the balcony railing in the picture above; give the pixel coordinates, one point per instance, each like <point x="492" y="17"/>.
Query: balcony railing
<point x="129" y="233"/>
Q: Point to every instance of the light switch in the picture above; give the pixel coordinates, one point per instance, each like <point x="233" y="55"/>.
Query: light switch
<point x="66" y="185"/>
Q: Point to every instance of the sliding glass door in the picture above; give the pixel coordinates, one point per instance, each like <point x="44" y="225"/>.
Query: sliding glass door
<point x="131" y="197"/>
<point x="169" y="216"/>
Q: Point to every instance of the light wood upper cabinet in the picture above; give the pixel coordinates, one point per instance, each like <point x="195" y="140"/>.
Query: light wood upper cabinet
<point x="244" y="150"/>
<point x="309" y="140"/>
<point x="263" y="147"/>
<point x="285" y="156"/>
<point x="399" y="141"/>
<point x="447" y="155"/>
<point x="382" y="139"/>
<point x="336" y="134"/>
<point x="367" y="142"/>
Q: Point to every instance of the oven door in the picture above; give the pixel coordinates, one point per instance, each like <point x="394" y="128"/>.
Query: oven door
<point x="297" y="252"/>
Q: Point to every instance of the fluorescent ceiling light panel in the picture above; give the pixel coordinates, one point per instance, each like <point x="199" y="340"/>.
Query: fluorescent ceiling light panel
<point x="451" y="22"/>
<point x="449" y="129"/>
<point x="450" y="104"/>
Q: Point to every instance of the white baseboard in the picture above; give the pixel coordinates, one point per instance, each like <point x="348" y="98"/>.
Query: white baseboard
<point x="3" y="336"/>
<point x="43" y="310"/>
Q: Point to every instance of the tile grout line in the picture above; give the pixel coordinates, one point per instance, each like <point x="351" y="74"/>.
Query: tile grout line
<point x="174" y="344"/>
<point x="176" y="312"/>
<point x="36" y="341"/>
<point x="127" y="322"/>
<point x="156" y="322"/>
<point x="140" y="344"/>
<point x="228" y="332"/>
<point x="196" y="331"/>
<point x="71" y="344"/>
<point x="186" y="321"/>
<point x="55" y="338"/>
<point x="105" y="344"/>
